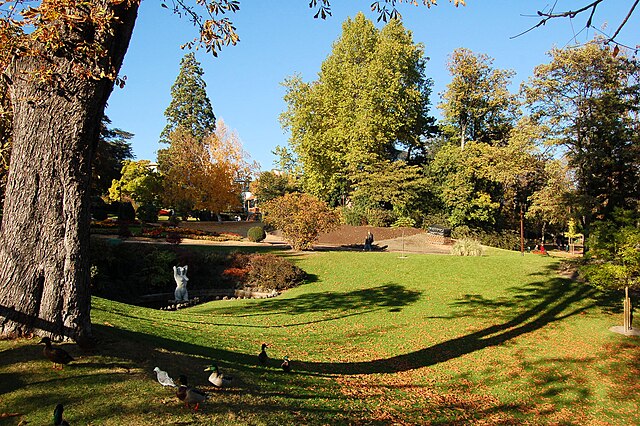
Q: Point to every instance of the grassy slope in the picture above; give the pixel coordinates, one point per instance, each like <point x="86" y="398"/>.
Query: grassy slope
<point x="374" y="339"/>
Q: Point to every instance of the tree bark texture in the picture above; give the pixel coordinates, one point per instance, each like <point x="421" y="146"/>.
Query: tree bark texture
<point x="44" y="239"/>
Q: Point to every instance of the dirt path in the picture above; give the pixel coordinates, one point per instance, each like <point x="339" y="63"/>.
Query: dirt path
<point x="414" y="240"/>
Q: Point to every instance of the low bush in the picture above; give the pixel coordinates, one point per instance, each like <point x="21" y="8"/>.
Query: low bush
<point x="98" y="208"/>
<point x="270" y="272"/>
<point x="126" y="212"/>
<point x="379" y="217"/>
<point x="148" y="213"/>
<point x="173" y="237"/>
<point x="256" y="234"/>
<point x="467" y="247"/>
<point x="301" y="218"/>
<point x="505" y="239"/>
<point x="352" y="216"/>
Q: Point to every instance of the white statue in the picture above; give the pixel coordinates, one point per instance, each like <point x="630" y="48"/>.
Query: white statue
<point x="180" y="275"/>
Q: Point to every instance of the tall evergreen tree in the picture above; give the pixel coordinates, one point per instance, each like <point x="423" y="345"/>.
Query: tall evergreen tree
<point x="371" y="98"/>
<point x="114" y="147"/>
<point x="190" y="107"/>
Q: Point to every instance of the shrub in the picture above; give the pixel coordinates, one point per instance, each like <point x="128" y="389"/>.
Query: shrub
<point x="256" y="234"/>
<point x="301" y="218"/>
<point x="125" y="271"/>
<point x="126" y="212"/>
<point x="173" y="220"/>
<point x="148" y="213"/>
<point x="173" y="237"/>
<point x="123" y="229"/>
<point x="353" y="216"/>
<point x="467" y="247"/>
<point x="98" y="208"/>
<point x="505" y="239"/>
<point x="379" y="217"/>
<point x="268" y="271"/>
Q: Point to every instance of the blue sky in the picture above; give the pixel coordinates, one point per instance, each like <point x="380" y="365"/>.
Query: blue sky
<point x="281" y="38"/>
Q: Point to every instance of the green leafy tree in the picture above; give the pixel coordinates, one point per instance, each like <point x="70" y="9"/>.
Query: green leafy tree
<point x="301" y="218"/>
<point x="190" y="107"/>
<point x="588" y="98"/>
<point x="370" y="99"/>
<point x="270" y="185"/>
<point x="613" y="262"/>
<point x="139" y="183"/>
<point x="551" y="203"/>
<point x="463" y="183"/>
<point x="393" y="185"/>
<point x="477" y="105"/>
<point x="114" y="147"/>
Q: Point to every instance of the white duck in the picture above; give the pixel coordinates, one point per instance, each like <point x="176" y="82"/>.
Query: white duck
<point x="218" y="379"/>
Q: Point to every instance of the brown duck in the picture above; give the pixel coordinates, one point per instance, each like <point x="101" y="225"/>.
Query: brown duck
<point x="56" y="355"/>
<point x="188" y="394"/>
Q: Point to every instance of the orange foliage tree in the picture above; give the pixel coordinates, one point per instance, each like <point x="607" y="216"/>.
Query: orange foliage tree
<point x="204" y="175"/>
<point x="301" y="218"/>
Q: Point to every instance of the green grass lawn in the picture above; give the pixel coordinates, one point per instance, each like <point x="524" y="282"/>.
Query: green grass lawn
<point x="373" y="338"/>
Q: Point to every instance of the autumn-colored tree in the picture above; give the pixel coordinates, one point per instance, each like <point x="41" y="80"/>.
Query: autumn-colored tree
<point x="301" y="218"/>
<point x="477" y="103"/>
<point x="204" y="175"/>
<point x="190" y="108"/>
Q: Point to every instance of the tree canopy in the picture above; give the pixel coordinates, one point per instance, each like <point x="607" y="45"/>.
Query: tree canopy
<point x="588" y="99"/>
<point x="190" y="108"/>
<point x="371" y="99"/>
<point x="477" y="102"/>
<point x="204" y="175"/>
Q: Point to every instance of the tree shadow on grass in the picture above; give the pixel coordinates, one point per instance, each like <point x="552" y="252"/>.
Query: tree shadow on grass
<point x="385" y="296"/>
<point x="530" y="308"/>
<point x="348" y="304"/>
<point x="539" y="304"/>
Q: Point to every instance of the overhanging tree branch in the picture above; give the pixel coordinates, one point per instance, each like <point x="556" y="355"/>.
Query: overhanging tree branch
<point x="590" y="7"/>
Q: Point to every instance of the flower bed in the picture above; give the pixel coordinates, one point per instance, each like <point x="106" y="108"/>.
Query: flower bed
<point x="194" y="234"/>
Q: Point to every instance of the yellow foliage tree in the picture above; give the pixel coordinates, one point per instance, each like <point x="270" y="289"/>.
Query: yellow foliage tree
<point x="207" y="175"/>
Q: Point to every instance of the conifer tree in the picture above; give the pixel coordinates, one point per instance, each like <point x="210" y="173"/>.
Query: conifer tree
<point x="190" y="107"/>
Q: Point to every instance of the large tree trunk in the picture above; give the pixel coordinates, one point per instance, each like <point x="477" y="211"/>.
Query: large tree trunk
<point x="44" y="240"/>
